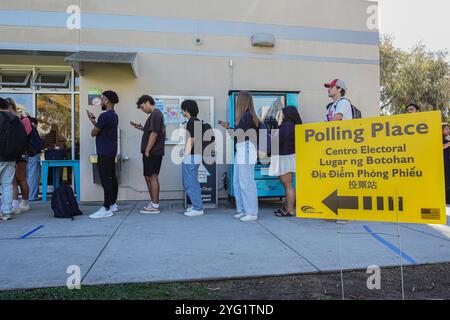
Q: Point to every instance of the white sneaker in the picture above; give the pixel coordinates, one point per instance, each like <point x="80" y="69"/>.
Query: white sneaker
<point x="148" y="206"/>
<point x="343" y="221"/>
<point x="239" y="216"/>
<point x="151" y="210"/>
<point x="24" y="207"/>
<point x="16" y="210"/>
<point x="6" y="217"/>
<point x="189" y="209"/>
<point x="102" y="213"/>
<point x="114" y="207"/>
<point x="194" y="213"/>
<point x="249" y="218"/>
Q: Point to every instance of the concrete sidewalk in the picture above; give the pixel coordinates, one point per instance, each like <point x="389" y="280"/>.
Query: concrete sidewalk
<point x="131" y="247"/>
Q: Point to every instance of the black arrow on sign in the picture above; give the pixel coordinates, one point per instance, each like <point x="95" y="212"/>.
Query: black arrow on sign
<point x="335" y="202"/>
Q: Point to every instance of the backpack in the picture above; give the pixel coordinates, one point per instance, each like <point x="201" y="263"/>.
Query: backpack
<point x="356" y="113"/>
<point x="13" y="137"/>
<point x="36" y="144"/>
<point x="64" y="204"/>
<point x="205" y="143"/>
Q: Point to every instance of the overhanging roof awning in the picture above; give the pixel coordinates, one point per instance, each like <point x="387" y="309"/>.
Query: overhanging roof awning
<point x="77" y="59"/>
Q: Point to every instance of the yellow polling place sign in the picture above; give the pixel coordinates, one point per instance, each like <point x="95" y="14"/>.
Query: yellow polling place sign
<point x="386" y="169"/>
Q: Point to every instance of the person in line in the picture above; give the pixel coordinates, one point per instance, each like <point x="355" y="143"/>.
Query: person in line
<point x="192" y="158"/>
<point x="446" y="143"/>
<point x="7" y="167"/>
<point x="412" y="108"/>
<point x="152" y="149"/>
<point x="340" y="108"/>
<point x="20" y="178"/>
<point x="282" y="165"/>
<point x="105" y="133"/>
<point x="33" y="169"/>
<point x="246" y="123"/>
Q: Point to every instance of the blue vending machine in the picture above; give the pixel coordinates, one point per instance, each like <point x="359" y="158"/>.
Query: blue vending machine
<point x="268" y="106"/>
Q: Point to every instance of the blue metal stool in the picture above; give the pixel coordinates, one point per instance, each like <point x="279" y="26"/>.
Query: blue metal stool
<point x="55" y="164"/>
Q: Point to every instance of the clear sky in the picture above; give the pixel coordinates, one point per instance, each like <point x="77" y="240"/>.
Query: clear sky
<point x="411" y="21"/>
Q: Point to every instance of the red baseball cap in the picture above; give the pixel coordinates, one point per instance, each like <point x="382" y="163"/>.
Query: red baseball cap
<point x="337" y="83"/>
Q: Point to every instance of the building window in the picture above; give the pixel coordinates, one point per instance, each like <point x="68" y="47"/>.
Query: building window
<point x="52" y="80"/>
<point x="49" y="93"/>
<point x="24" y="102"/>
<point x="15" y="79"/>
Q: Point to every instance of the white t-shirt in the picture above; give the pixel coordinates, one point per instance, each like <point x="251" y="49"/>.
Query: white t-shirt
<point x="342" y="106"/>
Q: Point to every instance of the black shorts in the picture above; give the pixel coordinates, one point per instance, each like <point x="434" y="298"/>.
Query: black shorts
<point x="152" y="165"/>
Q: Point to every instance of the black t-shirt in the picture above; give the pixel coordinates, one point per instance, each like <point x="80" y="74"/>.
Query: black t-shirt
<point x="106" y="140"/>
<point x="191" y="126"/>
<point x="154" y="123"/>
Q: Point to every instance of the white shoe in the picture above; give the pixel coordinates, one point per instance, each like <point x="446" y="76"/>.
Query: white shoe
<point x="16" y="210"/>
<point x="6" y="217"/>
<point x="148" y="210"/>
<point x="343" y="221"/>
<point x="148" y="206"/>
<point x="194" y="213"/>
<point x="102" y="213"/>
<point x="249" y="218"/>
<point x="24" y="208"/>
<point x="239" y="216"/>
<point x="114" y="207"/>
<point x="189" y="209"/>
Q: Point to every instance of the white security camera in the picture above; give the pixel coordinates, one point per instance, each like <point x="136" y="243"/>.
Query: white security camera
<point x="198" y="41"/>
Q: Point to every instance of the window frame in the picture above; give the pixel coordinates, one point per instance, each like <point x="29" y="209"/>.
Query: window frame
<point x="34" y="90"/>
<point x="20" y="86"/>
<point x="66" y="85"/>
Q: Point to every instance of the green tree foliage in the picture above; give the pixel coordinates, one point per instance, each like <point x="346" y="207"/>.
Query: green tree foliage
<point x="417" y="75"/>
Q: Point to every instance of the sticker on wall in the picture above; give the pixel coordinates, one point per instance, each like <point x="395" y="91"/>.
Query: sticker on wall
<point x="94" y="97"/>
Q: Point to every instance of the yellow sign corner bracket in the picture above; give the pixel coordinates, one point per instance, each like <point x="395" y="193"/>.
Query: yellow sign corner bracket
<point x="385" y="169"/>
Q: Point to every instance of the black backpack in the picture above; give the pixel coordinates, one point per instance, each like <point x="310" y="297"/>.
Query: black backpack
<point x="36" y="144"/>
<point x="64" y="204"/>
<point x="13" y="137"/>
<point x="356" y="113"/>
<point x="205" y="143"/>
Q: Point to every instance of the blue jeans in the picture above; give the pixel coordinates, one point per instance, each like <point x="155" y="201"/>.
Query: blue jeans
<point x="7" y="172"/>
<point x="33" y="171"/>
<point x="191" y="185"/>
<point x="245" y="191"/>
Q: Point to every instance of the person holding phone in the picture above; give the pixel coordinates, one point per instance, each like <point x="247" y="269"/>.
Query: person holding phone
<point x="246" y="124"/>
<point x="192" y="158"/>
<point x="137" y="126"/>
<point x="105" y="134"/>
<point x="152" y="148"/>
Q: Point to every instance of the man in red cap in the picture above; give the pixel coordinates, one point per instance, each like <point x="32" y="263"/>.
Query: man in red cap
<point x="341" y="107"/>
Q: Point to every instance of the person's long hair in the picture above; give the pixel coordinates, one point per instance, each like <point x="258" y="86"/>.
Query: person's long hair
<point x="291" y="115"/>
<point x="245" y="103"/>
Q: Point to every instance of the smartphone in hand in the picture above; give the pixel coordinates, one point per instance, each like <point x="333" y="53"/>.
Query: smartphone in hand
<point x="136" y="125"/>
<point x="224" y="124"/>
<point x="90" y="114"/>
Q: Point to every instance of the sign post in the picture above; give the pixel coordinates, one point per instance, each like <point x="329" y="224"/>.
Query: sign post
<point x="385" y="169"/>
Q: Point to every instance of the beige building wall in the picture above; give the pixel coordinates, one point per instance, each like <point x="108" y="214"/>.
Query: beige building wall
<point x="171" y="64"/>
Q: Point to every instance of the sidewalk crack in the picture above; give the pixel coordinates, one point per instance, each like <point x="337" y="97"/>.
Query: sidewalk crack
<point x="107" y="242"/>
<point x="289" y="246"/>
